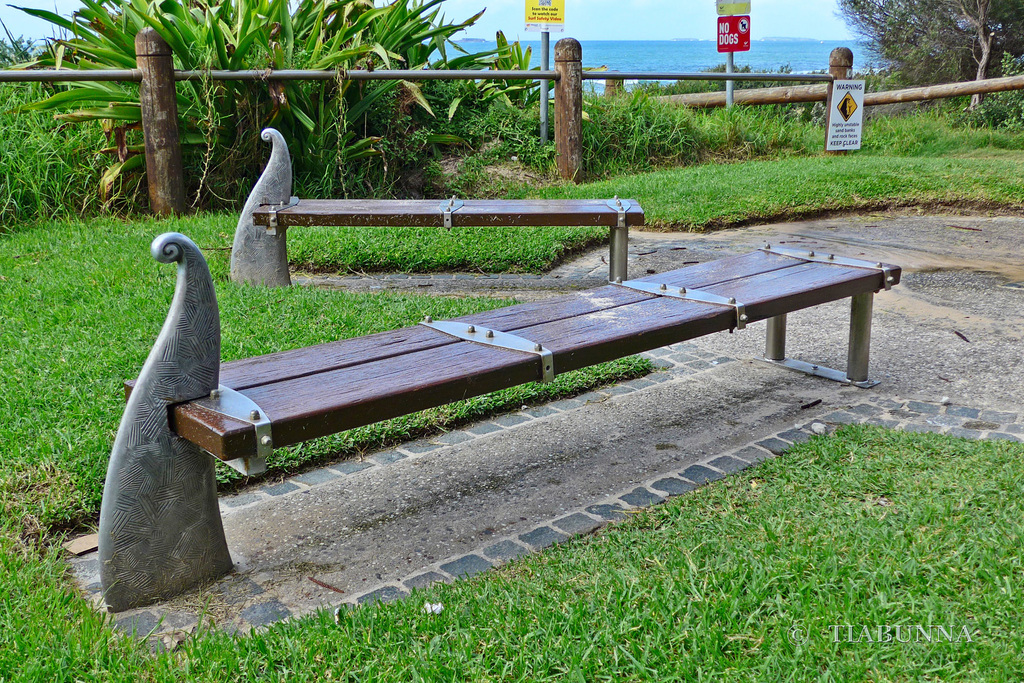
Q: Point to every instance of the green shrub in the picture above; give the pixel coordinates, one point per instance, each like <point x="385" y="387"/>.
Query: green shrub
<point x="49" y="169"/>
<point x="1001" y="110"/>
<point x="639" y="133"/>
<point x="16" y="51"/>
<point x="331" y="125"/>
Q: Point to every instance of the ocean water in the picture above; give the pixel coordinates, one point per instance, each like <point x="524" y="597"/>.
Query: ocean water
<point x="802" y="56"/>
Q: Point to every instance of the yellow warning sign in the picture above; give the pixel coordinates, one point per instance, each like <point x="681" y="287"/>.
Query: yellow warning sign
<point x="545" y="15"/>
<point x="847" y="106"/>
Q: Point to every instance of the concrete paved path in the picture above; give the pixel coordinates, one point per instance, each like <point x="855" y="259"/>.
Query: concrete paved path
<point x="947" y="345"/>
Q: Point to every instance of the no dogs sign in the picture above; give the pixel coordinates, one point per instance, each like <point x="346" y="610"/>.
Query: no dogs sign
<point x="734" y="34"/>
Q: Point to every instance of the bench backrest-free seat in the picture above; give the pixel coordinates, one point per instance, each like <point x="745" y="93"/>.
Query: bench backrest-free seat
<point x="259" y="254"/>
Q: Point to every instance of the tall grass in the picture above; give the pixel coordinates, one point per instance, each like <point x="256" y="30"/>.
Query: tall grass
<point x="46" y="169"/>
<point x="638" y="132"/>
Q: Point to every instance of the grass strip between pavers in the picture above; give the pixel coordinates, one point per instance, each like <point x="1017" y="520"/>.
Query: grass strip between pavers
<point x="743" y="579"/>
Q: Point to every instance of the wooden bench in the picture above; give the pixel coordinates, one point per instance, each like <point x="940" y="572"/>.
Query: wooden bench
<point x="259" y="254"/>
<point x="160" y="525"/>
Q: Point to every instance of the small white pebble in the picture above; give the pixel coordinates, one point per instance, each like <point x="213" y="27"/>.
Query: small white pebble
<point x="819" y="428"/>
<point x="946" y="401"/>
<point x="515" y="158"/>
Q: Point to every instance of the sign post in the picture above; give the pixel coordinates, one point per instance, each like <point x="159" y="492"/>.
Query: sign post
<point x="545" y="16"/>
<point x="733" y="36"/>
<point x="845" y="116"/>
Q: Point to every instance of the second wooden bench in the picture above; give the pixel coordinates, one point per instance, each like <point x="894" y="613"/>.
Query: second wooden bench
<point x="259" y="254"/>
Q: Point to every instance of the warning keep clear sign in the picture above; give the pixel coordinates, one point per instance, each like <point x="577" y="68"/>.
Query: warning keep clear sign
<point x="545" y="15"/>
<point x="845" y="120"/>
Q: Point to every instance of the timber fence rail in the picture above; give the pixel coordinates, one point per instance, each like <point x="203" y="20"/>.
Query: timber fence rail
<point x="818" y="93"/>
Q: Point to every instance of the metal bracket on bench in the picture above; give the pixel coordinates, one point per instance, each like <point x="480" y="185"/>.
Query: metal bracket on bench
<point x="502" y="340"/>
<point x="230" y="403"/>
<point x="621" y="206"/>
<point x="448" y="208"/>
<point x="820" y="371"/>
<point x="274" y="208"/>
<point x="689" y="295"/>
<point x="808" y="255"/>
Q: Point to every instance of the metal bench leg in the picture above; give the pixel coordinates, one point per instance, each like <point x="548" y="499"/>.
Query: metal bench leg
<point x="775" y="344"/>
<point x="160" y="526"/>
<point x="618" y="255"/>
<point x="861" y="307"/>
<point x="857" y="358"/>
<point x="259" y="256"/>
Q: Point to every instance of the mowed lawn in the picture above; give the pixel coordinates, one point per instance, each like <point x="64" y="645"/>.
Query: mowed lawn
<point x="741" y="580"/>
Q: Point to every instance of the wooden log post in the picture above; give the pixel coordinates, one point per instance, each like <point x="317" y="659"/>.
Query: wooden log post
<point x="613" y="87"/>
<point x="160" y="123"/>
<point x="840" y="67"/>
<point x="569" y="109"/>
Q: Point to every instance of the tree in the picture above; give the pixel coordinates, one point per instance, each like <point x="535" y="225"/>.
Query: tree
<point x="930" y="41"/>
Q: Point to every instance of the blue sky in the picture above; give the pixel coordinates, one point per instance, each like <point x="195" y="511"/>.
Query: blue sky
<point x="585" y="19"/>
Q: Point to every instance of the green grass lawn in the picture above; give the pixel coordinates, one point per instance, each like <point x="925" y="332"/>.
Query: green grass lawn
<point x="740" y="580"/>
<point x="693" y="198"/>
<point x="710" y="196"/>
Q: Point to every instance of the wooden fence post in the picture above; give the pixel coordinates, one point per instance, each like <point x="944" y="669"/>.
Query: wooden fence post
<point x="840" y="67"/>
<point x="613" y="87"/>
<point x="569" y="109"/>
<point x="160" y="123"/>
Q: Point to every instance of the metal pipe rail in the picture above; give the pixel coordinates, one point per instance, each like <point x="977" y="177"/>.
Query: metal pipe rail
<point x="134" y="75"/>
<point x="702" y="76"/>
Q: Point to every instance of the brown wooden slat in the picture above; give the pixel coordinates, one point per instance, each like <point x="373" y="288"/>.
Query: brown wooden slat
<point x="430" y="369"/>
<point x="284" y="365"/>
<point x="347" y="397"/>
<point x="426" y="212"/>
<point x="329" y="402"/>
<point x="597" y="338"/>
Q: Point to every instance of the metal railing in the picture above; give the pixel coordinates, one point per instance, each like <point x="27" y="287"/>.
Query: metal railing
<point x="702" y="76"/>
<point x="135" y="75"/>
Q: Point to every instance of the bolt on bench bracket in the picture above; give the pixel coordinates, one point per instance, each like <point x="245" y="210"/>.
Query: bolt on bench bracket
<point x="815" y="257"/>
<point x="685" y="294"/>
<point x="501" y="340"/>
<point x="620" y="206"/>
<point x="274" y="208"/>
<point x="449" y="207"/>
<point x="230" y="403"/>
